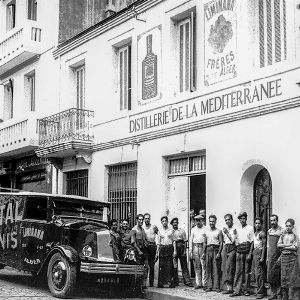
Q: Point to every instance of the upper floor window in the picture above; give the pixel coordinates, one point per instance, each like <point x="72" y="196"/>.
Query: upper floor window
<point x="8" y="100"/>
<point x="30" y="91"/>
<point x="272" y="31"/>
<point x="187" y="53"/>
<point x="124" y="58"/>
<point x="32" y="10"/>
<point x="11" y="15"/>
<point x="80" y="86"/>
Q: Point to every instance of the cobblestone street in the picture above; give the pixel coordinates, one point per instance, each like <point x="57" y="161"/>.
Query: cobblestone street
<point x="18" y="285"/>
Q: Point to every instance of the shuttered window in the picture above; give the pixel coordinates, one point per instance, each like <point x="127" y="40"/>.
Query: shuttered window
<point x="187" y="164"/>
<point x="125" y="77"/>
<point x="80" y="87"/>
<point x="10" y="16"/>
<point x="77" y="183"/>
<point x="187" y="54"/>
<point x="122" y="191"/>
<point x="32" y="10"/>
<point x="8" y="101"/>
<point x="272" y="31"/>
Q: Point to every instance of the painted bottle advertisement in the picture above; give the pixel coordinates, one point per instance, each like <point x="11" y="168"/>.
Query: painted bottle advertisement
<point x="149" y="72"/>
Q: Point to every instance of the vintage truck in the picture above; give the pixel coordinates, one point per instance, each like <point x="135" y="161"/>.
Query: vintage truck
<point x="60" y="236"/>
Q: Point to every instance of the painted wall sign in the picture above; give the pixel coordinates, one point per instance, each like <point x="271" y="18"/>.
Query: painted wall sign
<point x="149" y="65"/>
<point x="236" y="99"/>
<point x="220" y="41"/>
<point x="10" y="213"/>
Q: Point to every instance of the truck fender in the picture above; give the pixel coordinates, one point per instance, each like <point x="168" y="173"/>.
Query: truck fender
<point x="67" y="251"/>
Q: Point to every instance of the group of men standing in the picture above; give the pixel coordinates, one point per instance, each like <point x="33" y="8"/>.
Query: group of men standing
<point x="224" y="260"/>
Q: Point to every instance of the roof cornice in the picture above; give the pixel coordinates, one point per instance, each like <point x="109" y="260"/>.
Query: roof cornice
<point x="105" y="25"/>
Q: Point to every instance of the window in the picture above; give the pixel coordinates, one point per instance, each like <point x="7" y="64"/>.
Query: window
<point x="36" y="208"/>
<point x="187" y="54"/>
<point x="10" y="15"/>
<point x="77" y="183"/>
<point x="122" y="191"/>
<point x="80" y="86"/>
<point x="30" y="91"/>
<point x="32" y="10"/>
<point x="272" y="32"/>
<point x="187" y="164"/>
<point x="8" y="101"/>
<point x="124" y="56"/>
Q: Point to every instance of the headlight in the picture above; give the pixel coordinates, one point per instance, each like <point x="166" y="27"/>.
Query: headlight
<point x="87" y="251"/>
<point x="130" y="255"/>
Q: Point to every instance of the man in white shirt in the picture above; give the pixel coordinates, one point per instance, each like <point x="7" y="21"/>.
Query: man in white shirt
<point x="243" y="240"/>
<point x="229" y="233"/>
<point x="196" y="244"/>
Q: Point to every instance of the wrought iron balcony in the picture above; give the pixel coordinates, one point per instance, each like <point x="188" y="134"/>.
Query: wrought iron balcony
<point x="18" y="136"/>
<point x="20" y="45"/>
<point x="68" y="130"/>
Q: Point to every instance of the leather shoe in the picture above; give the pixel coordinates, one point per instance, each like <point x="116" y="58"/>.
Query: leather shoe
<point x="235" y="295"/>
<point x="272" y="297"/>
<point x="227" y="292"/>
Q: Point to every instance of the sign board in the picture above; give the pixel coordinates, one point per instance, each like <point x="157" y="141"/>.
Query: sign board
<point x="220" y="41"/>
<point x="149" y="65"/>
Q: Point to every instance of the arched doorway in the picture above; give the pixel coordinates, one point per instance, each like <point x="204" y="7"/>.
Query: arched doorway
<point x="263" y="197"/>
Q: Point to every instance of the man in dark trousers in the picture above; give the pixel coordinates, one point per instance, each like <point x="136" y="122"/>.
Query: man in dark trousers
<point x="151" y="233"/>
<point x="273" y="256"/>
<point x="244" y="240"/>
<point x="213" y="250"/>
<point x="229" y="233"/>
<point x="180" y="239"/>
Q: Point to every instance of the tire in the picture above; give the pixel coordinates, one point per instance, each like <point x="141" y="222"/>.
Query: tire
<point x="61" y="276"/>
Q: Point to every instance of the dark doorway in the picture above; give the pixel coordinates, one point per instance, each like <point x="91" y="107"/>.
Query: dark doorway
<point x="198" y="193"/>
<point x="263" y="197"/>
<point x="197" y="199"/>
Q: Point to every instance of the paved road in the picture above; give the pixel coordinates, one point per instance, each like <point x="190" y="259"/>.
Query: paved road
<point x="18" y="285"/>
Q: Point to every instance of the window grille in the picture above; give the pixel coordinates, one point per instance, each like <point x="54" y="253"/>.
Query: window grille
<point x="187" y="62"/>
<point x="77" y="183"/>
<point x="122" y="191"/>
<point x="272" y="31"/>
<point x="190" y="164"/>
<point x="125" y="77"/>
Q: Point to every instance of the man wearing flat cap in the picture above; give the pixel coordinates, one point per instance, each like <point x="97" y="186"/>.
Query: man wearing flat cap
<point x="243" y="239"/>
<point x="180" y="240"/>
<point x="197" y="243"/>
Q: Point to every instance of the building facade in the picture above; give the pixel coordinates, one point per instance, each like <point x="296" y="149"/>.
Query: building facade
<point x="182" y="105"/>
<point x="29" y="86"/>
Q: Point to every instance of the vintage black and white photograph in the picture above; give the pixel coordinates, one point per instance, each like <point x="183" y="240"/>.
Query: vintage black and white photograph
<point x="149" y="149"/>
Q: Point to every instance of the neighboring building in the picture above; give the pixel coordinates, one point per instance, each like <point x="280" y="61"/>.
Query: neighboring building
<point x="29" y="85"/>
<point x="195" y="105"/>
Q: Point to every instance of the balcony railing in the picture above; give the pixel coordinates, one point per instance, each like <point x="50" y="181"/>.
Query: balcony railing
<point x="20" y="44"/>
<point x="17" y="136"/>
<point x="72" y="125"/>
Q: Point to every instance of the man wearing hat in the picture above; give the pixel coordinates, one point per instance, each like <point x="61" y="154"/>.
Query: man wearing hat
<point x="244" y="239"/>
<point x="197" y="243"/>
<point x="180" y="240"/>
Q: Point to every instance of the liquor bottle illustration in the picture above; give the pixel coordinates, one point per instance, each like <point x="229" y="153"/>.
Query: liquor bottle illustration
<point x="149" y="72"/>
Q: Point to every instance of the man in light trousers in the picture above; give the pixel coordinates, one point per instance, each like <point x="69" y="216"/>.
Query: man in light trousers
<point x="196" y="244"/>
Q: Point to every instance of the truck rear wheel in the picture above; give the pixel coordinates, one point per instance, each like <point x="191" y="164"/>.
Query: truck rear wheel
<point x="61" y="276"/>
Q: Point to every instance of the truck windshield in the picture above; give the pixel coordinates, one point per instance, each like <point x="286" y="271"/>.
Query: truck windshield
<point x="81" y="210"/>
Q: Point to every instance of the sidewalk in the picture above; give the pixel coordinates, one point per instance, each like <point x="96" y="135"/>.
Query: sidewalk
<point x="184" y="293"/>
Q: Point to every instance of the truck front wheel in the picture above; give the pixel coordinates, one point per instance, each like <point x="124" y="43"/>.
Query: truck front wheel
<point x="61" y="276"/>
